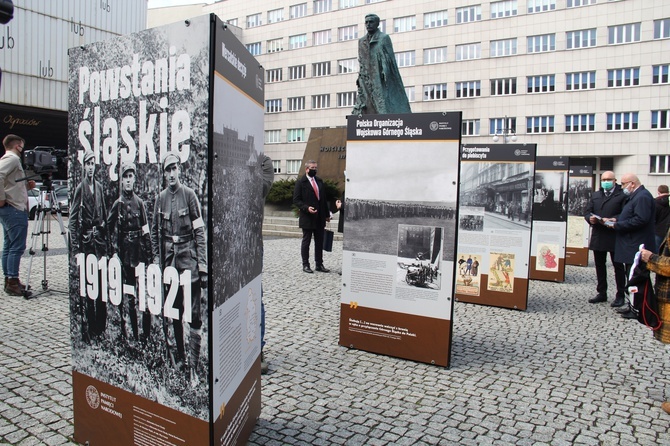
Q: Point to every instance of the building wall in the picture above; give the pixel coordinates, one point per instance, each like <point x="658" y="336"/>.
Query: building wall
<point x="627" y="150"/>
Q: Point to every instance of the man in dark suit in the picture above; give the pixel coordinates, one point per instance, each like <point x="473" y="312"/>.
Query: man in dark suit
<point x="606" y="203"/>
<point x="310" y="197"/>
<point x="634" y="226"/>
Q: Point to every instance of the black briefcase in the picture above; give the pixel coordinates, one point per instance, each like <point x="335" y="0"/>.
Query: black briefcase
<point x="328" y="240"/>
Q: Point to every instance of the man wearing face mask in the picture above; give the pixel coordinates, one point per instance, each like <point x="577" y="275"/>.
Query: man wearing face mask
<point x="634" y="226"/>
<point x="606" y="203"/>
<point x="309" y="196"/>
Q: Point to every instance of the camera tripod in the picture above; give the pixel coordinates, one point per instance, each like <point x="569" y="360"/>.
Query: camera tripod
<point x="42" y="229"/>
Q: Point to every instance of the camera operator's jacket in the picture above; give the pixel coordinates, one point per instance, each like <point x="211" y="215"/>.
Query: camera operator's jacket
<point x="13" y="191"/>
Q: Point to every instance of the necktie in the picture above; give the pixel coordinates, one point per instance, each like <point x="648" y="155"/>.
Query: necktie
<point x="316" y="189"/>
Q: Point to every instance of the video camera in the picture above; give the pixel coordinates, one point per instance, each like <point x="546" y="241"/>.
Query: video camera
<point x="40" y="162"/>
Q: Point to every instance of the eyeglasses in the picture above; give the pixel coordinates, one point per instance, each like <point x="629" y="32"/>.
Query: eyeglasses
<point x="607" y="179"/>
<point x="624" y="184"/>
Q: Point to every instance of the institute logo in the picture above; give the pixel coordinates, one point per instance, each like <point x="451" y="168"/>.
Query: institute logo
<point x="517" y="152"/>
<point x="92" y="397"/>
<point x="434" y="125"/>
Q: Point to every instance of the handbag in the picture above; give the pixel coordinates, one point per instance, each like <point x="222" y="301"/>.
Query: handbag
<point x="328" y="236"/>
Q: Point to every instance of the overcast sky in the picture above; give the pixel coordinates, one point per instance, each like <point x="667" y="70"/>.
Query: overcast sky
<point x="161" y="3"/>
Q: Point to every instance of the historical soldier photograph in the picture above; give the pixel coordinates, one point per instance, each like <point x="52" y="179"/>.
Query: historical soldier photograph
<point x="179" y="240"/>
<point x="128" y="228"/>
<point x="88" y="235"/>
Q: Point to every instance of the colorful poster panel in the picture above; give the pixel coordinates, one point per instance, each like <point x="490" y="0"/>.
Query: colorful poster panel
<point x="400" y="234"/>
<point x="580" y="190"/>
<point x="494" y="229"/>
<point x="550" y="216"/>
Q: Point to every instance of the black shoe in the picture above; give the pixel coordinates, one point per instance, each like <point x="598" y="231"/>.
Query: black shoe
<point x="598" y="298"/>
<point x="618" y="302"/>
<point x="629" y="315"/>
<point x="322" y="269"/>
<point x="307" y="269"/>
<point x="623" y="309"/>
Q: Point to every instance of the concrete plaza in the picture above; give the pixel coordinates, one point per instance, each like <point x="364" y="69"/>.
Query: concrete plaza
<point x="563" y="372"/>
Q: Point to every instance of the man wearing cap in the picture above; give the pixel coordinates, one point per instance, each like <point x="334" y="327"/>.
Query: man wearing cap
<point x="88" y="235"/>
<point x="178" y="240"/>
<point x="129" y="230"/>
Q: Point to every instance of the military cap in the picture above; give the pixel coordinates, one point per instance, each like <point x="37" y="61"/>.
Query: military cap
<point x="171" y="158"/>
<point x="88" y="155"/>
<point x="126" y="166"/>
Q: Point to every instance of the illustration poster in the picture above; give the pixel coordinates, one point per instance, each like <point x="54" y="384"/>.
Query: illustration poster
<point x="141" y="238"/>
<point x="494" y="228"/>
<point x="400" y="234"/>
<point x="550" y="216"/>
<point x="580" y="190"/>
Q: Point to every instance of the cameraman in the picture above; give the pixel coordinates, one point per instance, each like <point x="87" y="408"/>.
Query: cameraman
<point x="13" y="213"/>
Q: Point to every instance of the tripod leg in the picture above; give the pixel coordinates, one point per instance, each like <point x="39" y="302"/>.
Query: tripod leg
<point x="37" y="231"/>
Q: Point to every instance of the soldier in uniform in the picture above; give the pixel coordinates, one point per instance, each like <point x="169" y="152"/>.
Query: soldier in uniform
<point x="88" y="228"/>
<point x="128" y="227"/>
<point x="178" y="240"/>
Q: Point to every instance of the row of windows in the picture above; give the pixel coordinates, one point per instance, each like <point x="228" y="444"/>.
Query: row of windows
<point x="465" y="14"/>
<point x="658" y="164"/>
<point x="584" y="38"/>
<point x="318" y="101"/>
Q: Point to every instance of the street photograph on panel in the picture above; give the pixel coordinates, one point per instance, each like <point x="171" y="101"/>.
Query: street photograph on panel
<point x="550" y="202"/>
<point x="419" y="256"/>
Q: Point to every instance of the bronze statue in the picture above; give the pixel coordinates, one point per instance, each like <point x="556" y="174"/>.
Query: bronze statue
<point x="380" y="87"/>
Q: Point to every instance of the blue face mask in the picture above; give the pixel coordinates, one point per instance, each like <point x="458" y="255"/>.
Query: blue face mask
<point x="607" y="185"/>
<point x="626" y="192"/>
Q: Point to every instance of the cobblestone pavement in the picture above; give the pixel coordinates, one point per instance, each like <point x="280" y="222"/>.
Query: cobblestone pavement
<point x="563" y="372"/>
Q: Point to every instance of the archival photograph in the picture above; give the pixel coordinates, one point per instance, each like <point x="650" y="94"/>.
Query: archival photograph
<point x="550" y="201"/>
<point x="419" y="256"/>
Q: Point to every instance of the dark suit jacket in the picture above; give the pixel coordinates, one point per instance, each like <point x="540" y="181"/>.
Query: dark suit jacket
<point x="602" y="238"/>
<point x="634" y="226"/>
<point x="304" y="197"/>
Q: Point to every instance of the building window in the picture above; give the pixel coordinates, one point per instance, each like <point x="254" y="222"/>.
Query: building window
<point x="542" y="43"/>
<point x="254" y="20"/>
<point x="435" y="19"/>
<point x="232" y="22"/>
<point x="623" y="33"/>
<point x="623" y="77"/>
<point x="584" y="80"/>
<point x="540" y="124"/>
<point x="320" y="101"/>
<point x="367" y="2"/>
<point x="576" y="3"/>
<point x="297" y="11"/>
<point x="434" y="55"/>
<point x="469" y="14"/>
<point x="659" y="119"/>
<point x="660" y="74"/>
<point x="434" y="92"/>
<point x="254" y="48"/>
<point x="321" y="6"/>
<point x="580" y="123"/>
<point x="505" y="47"/>
<point x="293" y="166"/>
<point x="469" y="51"/>
<point x="406" y="58"/>
<point x="273" y="75"/>
<point x="275" y="45"/>
<point x="497" y="126"/>
<point x="299" y="41"/>
<point x="468" y="89"/>
<point x="404" y="24"/>
<point x="347" y="33"/>
<point x="272" y="136"/>
<point x="659" y="164"/>
<point x="410" y="92"/>
<point x="276" y="166"/>
<point x="348" y="3"/>
<point x="540" y="5"/>
<point x="502" y="87"/>
<point x="321" y="69"/>
<point x="273" y="105"/>
<point x="345" y="66"/>
<point x="584" y="38"/>
<point x="470" y="127"/>
<point x="506" y="8"/>
<point x="296" y="72"/>
<point x="295" y="135"/>
<point x="296" y="104"/>
<point x="661" y="29"/>
<point x="321" y="37"/>
<point x="541" y="84"/>
<point x="347" y="99"/>
<point x="622" y="121"/>
<point x="276" y="15"/>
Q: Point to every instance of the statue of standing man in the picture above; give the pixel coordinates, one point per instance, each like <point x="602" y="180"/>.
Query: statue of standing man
<point x="380" y="87"/>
